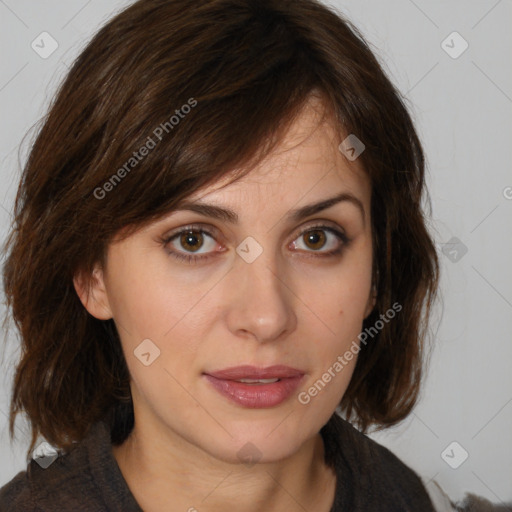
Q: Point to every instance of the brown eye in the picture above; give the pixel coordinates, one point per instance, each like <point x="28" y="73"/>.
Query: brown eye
<point x="190" y="244"/>
<point x="191" y="240"/>
<point x="324" y="240"/>
<point x="315" y="239"/>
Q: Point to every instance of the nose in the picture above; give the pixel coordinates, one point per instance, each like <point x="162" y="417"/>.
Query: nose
<point x="260" y="301"/>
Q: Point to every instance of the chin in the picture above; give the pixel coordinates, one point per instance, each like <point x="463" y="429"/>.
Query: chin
<point x="262" y="442"/>
<point x="247" y="451"/>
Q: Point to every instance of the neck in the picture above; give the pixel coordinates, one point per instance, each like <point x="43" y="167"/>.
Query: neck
<point x="169" y="473"/>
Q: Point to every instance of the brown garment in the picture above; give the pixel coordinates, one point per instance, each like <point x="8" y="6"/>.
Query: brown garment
<point x="369" y="478"/>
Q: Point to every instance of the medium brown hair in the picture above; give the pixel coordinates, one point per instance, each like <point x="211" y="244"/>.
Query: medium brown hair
<point x="247" y="67"/>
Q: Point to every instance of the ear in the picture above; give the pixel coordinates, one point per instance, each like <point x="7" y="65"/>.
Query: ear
<point x="93" y="294"/>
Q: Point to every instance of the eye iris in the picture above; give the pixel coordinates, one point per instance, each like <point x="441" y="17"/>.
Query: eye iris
<point x="316" y="238"/>
<point x="190" y="239"/>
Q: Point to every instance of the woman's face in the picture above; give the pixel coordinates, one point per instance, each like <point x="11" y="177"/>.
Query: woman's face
<point x="272" y="284"/>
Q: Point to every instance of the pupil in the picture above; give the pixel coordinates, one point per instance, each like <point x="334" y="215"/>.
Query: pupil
<point x="314" y="237"/>
<point x="191" y="240"/>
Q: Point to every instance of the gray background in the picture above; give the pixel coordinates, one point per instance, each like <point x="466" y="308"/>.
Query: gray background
<point x="462" y="107"/>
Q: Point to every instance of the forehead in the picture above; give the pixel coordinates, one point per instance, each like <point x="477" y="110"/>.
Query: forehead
<point x="305" y="164"/>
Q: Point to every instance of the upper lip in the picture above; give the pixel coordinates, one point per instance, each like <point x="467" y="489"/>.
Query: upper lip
<point x="253" y="372"/>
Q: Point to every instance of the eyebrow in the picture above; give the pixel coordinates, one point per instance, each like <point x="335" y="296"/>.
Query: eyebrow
<point x="227" y="215"/>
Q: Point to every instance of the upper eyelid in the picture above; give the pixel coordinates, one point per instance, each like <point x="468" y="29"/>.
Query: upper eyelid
<point x="209" y="230"/>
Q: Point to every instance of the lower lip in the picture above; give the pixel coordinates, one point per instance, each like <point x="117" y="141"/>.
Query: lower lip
<point x="256" y="396"/>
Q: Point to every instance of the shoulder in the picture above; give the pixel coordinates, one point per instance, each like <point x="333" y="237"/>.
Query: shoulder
<point x="386" y="482"/>
<point x="15" y="495"/>
<point x="64" y="485"/>
<point x="87" y="478"/>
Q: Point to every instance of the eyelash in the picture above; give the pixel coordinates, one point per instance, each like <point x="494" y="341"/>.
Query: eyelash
<point x="190" y="258"/>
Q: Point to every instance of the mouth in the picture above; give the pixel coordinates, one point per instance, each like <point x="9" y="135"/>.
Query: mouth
<point x="256" y="388"/>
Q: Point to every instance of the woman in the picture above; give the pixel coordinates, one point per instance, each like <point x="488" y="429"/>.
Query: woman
<point x="219" y="244"/>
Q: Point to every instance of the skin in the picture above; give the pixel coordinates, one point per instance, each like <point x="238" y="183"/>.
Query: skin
<point x="291" y="306"/>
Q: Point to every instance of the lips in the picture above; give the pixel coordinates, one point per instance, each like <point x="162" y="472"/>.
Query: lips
<point x="254" y="387"/>
<point x="252" y="372"/>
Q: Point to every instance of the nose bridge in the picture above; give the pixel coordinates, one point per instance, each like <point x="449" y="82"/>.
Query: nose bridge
<point x="260" y="302"/>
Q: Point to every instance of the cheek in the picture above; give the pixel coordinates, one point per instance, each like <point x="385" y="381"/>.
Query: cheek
<point x="170" y="307"/>
<point x="339" y="300"/>
<point x="150" y="299"/>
